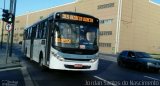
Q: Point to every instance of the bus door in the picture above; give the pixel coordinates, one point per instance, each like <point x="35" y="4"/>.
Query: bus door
<point x="48" y="41"/>
<point x="24" y="42"/>
<point x="33" y="34"/>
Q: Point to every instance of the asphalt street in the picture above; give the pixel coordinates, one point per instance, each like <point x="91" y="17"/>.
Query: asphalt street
<point x="12" y="77"/>
<point x="109" y="73"/>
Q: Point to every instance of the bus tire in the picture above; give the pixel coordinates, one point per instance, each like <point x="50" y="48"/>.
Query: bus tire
<point x="41" y="61"/>
<point x="25" y="49"/>
<point x="25" y="53"/>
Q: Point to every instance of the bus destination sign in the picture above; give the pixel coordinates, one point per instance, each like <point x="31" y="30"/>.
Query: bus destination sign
<point x="77" y="18"/>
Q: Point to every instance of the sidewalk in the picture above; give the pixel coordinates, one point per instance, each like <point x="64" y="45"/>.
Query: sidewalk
<point x="8" y="62"/>
<point x="114" y="55"/>
<point x="12" y="72"/>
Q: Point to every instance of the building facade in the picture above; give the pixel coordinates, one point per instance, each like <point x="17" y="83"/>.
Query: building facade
<point x="124" y="24"/>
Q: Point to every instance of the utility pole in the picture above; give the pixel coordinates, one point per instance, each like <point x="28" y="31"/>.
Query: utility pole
<point x="13" y="11"/>
<point x="2" y="27"/>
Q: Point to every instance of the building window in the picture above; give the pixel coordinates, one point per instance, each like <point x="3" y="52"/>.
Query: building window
<point x="16" y="35"/>
<point x="105" y="32"/>
<point x="105" y="44"/>
<point x="22" y="28"/>
<point x="5" y="34"/>
<point x="17" y="21"/>
<point x="106" y="21"/>
<point x="15" y="40"/>
<point x="109" y="5"/>
<point x="21" y="35"/>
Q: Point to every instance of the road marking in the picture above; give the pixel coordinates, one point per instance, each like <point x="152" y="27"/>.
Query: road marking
<point x="7" y="69"/>
<point x="152" y="78"/>
<point x="27" y="79"/>
<point x="105" y="81"/>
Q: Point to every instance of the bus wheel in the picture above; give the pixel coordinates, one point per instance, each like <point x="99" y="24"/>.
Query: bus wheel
<point x="25" y="52"/>
<point x="41" y="62"/>
<point x="43" y="68"/>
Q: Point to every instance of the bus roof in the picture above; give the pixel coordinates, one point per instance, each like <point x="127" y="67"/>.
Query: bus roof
<point x="68" y="12"/>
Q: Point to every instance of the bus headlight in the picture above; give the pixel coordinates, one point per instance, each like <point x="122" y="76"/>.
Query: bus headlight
<point x="93" y="60"/>
<point x="58" y="57"/>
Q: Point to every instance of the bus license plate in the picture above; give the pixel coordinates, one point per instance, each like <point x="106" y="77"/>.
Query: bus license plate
<point x="78" y="65"/>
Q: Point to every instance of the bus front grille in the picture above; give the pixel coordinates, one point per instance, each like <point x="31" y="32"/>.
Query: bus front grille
<point x="72" y="67"/>
<point x="71" y="59"/>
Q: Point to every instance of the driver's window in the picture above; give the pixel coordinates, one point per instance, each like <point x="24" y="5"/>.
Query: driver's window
<point x="131" y="54"/>
<point x="65" y="30"/>
<point x="56" y="37"/>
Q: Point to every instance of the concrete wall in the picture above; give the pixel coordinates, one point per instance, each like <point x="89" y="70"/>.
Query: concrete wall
<point x="140" y="26"/>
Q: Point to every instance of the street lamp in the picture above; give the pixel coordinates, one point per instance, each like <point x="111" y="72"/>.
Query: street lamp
<point x="27" y="17"/>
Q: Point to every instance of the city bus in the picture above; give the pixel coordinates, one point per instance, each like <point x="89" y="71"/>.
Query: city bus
<point x="64" y="41"/>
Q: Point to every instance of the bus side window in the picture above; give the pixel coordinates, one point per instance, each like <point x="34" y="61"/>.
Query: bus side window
<point x="38" y="31"/>
<point x="45" y="29"/>
<point x="29" y="33"/>
<point x="51" y="26"/>
<point x="33" y="33"/>
<point x="42" y="30"/>
<point x="25" y="34"/>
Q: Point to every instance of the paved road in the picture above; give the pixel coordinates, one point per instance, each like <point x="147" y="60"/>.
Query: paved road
<point x="11" y="77"/>
<point x="108" y="74"/>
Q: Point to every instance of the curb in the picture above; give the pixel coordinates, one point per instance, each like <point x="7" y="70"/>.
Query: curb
<point x="5" y="66"/>
<point x="108" y="54"/>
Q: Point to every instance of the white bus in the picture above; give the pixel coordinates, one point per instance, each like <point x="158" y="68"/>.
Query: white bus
<point x="64" y="41"/>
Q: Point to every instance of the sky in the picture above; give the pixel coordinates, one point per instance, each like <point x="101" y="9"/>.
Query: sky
<point x="157" y="1"/>
<point x="24" y="6"/>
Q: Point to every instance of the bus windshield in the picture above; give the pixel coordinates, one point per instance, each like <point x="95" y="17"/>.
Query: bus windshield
<point x="75" y="36"/>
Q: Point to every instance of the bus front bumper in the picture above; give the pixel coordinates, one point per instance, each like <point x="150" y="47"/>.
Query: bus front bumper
<point x="73" y="65"/>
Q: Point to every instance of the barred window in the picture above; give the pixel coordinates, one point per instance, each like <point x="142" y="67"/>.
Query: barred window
<point x="106" y="21"/>
<point x="21" y="35"/>
<point x="109" y="5"/>
<point x="6" y="34"/>
<point x="105" y="44"/>
<point x="17" y="21"/>
<point x="22" y="28"/>
<point x="105" y="32"/>
<point x="15" y="35"/>
<point x="15" y="40"/>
